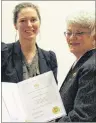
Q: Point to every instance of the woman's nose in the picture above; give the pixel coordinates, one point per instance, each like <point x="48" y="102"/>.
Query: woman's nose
<point x="29" y="23"/>
<point x="73" y="35"/>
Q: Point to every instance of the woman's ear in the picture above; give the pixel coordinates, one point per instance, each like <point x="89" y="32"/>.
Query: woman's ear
<point x="94" y="41"/>
<point x="95" y="37"/>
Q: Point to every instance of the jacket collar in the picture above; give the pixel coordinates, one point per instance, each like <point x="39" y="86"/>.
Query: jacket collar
<point x="17" y="48"/>
<point x="43" y="66"/>
<point x="83" y="59"/>
<point x="18" y="60"/>
<point x="72" y="72"/>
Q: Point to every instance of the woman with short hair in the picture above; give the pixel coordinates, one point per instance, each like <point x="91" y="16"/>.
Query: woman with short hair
<point x="78" y="90"/>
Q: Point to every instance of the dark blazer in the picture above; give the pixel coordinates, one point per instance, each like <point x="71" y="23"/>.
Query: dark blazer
<point x="78" y="91"/>
<point x="11" y="62"/>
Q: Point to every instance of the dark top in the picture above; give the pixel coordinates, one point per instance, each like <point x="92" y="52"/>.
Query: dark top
<point x="78" y="91"/>
<point x="11" y="62"/>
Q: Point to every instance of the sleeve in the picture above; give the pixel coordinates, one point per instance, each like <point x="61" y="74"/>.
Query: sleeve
<point x="4" y="59"/>
<point x="53" y="63"/>
<point x="84" y="109"/>
<point x="4" y="54"/>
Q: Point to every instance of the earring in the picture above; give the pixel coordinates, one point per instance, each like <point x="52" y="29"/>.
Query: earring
<point x="94" y="44"/>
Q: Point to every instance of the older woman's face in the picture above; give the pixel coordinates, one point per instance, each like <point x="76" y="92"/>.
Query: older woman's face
<point x="79" y="39"/>
<point x="28" y="23"/>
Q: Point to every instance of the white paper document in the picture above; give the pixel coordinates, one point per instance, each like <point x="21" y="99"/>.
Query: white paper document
<point x="33" y="100"/>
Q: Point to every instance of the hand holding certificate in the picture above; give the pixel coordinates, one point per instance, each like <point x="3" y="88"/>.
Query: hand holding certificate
<point x="37" y="99"/>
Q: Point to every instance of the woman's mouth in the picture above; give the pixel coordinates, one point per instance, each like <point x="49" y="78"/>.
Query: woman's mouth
<point x="74" y="44"/>
<point x="29" y="30"/>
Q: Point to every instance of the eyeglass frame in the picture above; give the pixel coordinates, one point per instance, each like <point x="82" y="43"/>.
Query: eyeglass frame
<point x="75" y="34"/>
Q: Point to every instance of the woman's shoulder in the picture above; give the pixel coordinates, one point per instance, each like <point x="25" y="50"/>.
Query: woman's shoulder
<point x="89" y="61"/>
<point x="6" y="46"/>
<point x="6" y="51"/>
<point x="48" y="53"/>
<point x="49" y="56"/>
<point x="3" y="47"/>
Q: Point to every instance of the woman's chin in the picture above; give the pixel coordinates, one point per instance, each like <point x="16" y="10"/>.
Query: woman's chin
<point x="30" y="37"/>
<point x="74" y="51"/>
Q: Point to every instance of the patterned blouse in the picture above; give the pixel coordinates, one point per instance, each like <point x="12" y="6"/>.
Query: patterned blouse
<point x="31" y="69"/>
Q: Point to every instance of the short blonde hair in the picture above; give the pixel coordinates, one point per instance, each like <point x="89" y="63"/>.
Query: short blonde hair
<point x="85" y="19"/>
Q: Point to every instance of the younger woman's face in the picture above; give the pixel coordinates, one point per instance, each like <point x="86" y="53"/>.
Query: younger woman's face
<point x="28" y="23"/>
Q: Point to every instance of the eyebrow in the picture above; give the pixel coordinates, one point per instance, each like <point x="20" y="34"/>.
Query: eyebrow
<point x="28" y="17"/>
<point x="75" y="30"/>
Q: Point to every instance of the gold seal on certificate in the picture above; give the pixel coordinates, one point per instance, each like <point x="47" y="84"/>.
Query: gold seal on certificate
<point x="36" y="85"/>
<point x="27" y="121"/>
<point x="56" y="110"/>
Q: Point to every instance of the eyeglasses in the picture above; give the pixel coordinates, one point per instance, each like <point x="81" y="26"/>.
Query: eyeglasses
<point x="68" y="34"/>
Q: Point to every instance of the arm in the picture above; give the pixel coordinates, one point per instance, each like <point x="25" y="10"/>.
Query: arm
<point x="84" y="108"/>
<point x="4" y="54"/>
<point x="4" y="59"/>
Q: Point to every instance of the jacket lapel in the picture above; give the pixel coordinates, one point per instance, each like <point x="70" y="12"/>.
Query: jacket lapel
<point x="17" y="59"/>
<point x="42" y="61"/>
<point x="83" y="59"/>
<point x="73" y="71"/>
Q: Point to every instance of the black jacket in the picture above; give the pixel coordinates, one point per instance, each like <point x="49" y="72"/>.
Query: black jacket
<point x="78" y="91"/>
<point x="11" y="62"/>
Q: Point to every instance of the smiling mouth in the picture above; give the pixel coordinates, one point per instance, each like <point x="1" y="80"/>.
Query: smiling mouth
<point x="29" y="31"/>
<point x="74" y="44"/>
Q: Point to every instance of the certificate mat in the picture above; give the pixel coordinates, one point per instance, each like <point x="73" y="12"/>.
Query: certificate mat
<point x="33" y="100"/>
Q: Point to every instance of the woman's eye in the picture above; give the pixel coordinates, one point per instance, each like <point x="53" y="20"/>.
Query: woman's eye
<point x="33" y="19"/>
<point x="69" y="33"/>
<point x="22" y="20"/>
<point x="79" y="33"/>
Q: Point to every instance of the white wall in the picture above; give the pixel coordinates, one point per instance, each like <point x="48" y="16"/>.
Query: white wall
<point x="53" y="14"/>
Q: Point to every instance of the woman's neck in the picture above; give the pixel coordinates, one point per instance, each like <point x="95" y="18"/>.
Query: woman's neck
<point x="28" y="48"/>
